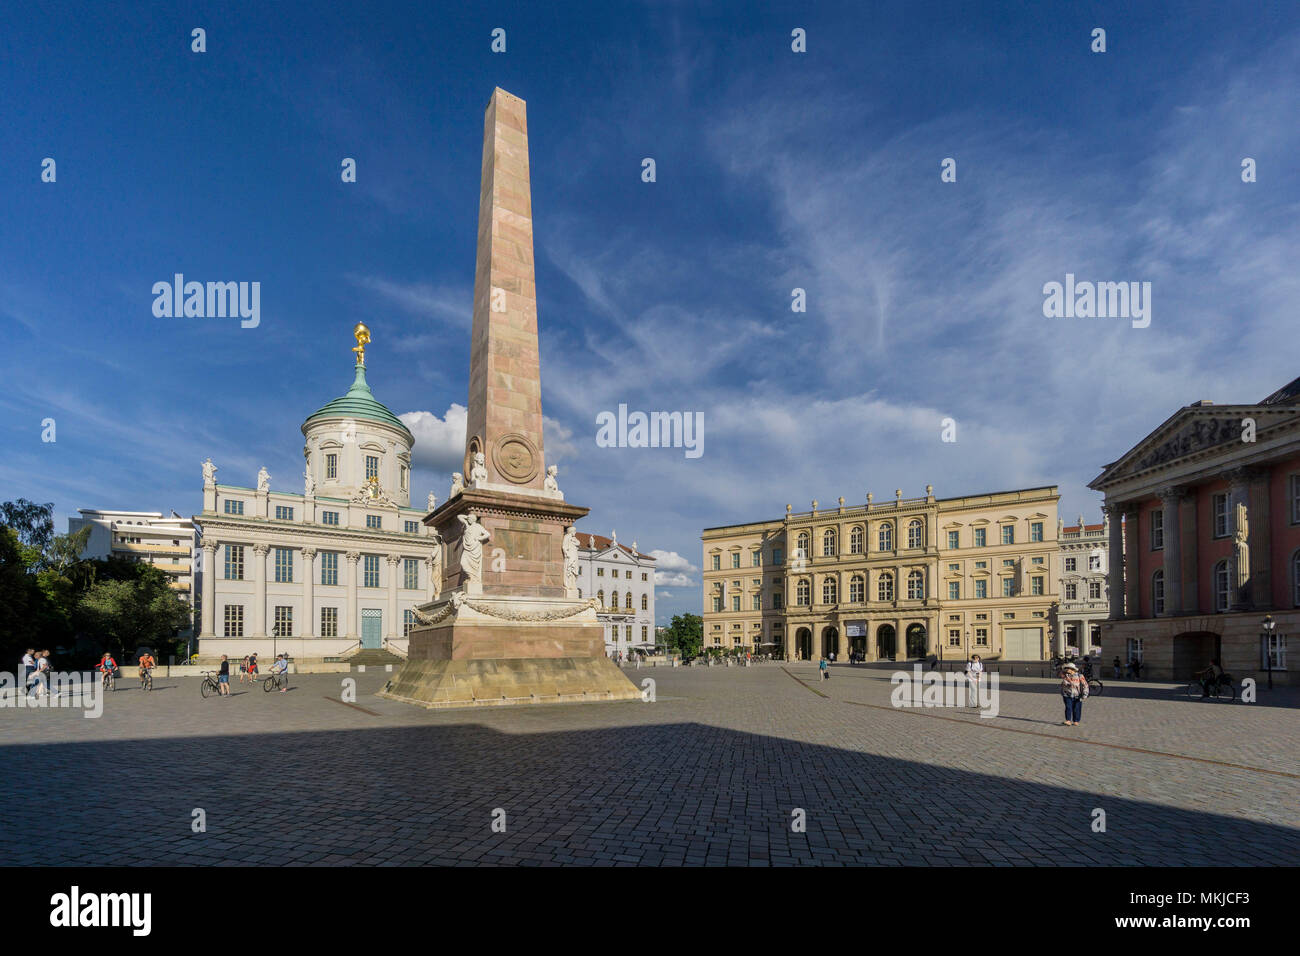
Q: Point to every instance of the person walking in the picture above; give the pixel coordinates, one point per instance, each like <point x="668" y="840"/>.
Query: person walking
<point x="1074" y="691"/>
<point x="252" y="667"/>
<point x="42" y="674"/>
<point x="823" y="669"/>
<point x="29" y="668"/>
<point x="1118" y="669"/>
<point x="974" y="674"/>
<point x="243" y="669"/>
<point x="223" y="677"/>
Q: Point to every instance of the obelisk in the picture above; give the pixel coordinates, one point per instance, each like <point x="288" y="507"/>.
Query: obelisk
<point x="509" y="626"/>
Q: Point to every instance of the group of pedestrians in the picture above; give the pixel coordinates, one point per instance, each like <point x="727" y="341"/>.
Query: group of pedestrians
<point x="36" y="672"/>
<point x="248" y="671"/>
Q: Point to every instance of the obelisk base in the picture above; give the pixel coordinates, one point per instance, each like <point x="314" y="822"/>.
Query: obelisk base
<point x="477" y="651"/>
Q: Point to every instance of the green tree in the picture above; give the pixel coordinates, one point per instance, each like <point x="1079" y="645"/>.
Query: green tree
<point x="130" y="605"/>
<point x="685" y="635"/>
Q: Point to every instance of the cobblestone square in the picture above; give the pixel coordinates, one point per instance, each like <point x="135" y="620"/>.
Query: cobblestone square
<point x="711" y="772"/>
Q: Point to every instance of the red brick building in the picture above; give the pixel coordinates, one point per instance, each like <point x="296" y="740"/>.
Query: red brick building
<point x="1206" y="512"/>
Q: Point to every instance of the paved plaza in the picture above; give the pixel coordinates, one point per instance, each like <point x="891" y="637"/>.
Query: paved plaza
<point x="709" y="773"/>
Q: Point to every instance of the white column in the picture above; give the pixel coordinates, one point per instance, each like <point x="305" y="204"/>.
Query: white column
<point x="1115" y="562"/>
<point x="209" y="611"/>
<point x="259" y="589"/>
<point x="393" y="632"/>
<point x="353" y="557"/>
<point x="308" y="591"/>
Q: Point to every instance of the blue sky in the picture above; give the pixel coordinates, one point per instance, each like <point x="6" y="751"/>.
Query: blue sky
<point x="775" y="170"/>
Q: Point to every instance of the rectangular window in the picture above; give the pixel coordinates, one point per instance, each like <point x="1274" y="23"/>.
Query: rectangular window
<point x="1008" y="534"/>
<point x="371" y="574"/>
<point x="1219" y="505"/>
<point x="1071" y="563"/>
<point x="1094" y="562"/>
<point x="329" y="567"/>
<point x="645" y="632"/>
<point x="717" y="562"/>
<point x="735" y="602"/>
<point x="331" y="467"/>
<point x="717" y="605"/>
<point x="981" y="637"/>
<point x="329" y="622"/>
<point x="1277" y="651"/>
<point x="234" y="620"/>
<point x="757" y="604"/>
<point x="954" y="637"/>
<point x="1036" y="585"/>
<point x="954" y="538"/>
<point x="1008" y="587"/>
<point x="329" y="517"/>
<point x="1008" y="562"/>
<point x="1157" y="529"/>
<point x="283" y="621"/>
<point x="778" y="556"/>
<point x="372" y="466"/>
<point x="374" y="521"/>
<point x="411" y="573"/>
<point x="777" y="601"/>
<point x="1035" y="531"/>
<point x="403" y="477"/>
<point x="1071" y="591"/>
<point x="954" y="590"/>
<point x="234" y="562"/>
<point x="1036" y="561"/>
<point x="283" y="565"/>
<point x="600" y="572"/>
<point x="735" y="560"/>
<point x="1295" y="499"/>
<point x="628" y="574"/>
<point x="645" y="576"/>
<point x="981" y="537"/>
<point x="408" y="622"/>
<point x="757" y="559"/>
<point x="1094" y="590"/>
<point x="412" y="527"/>
<point x="234" y="507"/>
<point x="981" y="589"/>
<point x="283" y="513"/>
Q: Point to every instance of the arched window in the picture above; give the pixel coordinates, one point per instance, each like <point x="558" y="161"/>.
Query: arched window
<point x="915" y="585"/>
<point x="885" y="587"/>
<point x="1158" y="593"/>
<point x="828" y="544"/>
<point x="804" y="550"/>
<point x="627" y="601"/>
<point x="600" y="596"/>
<point x="803" y="593"/>
<point x="857" y="589"/>
<point x="645" y="602"/>
<point x="613" y="600"/>
<point x="885" y="537"/>
<point x="855" y="540"/>
<point x="1222" y="587"/>
<point x="1295" y="579"/>
<point x="916" y="534"/>
<point x="830" y="590"/>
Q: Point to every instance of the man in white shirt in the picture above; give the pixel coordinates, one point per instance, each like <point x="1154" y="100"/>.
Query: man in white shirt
<point x="29" y="667"/>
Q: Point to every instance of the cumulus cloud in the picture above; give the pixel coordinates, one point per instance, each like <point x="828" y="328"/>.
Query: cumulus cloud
<point x="673" y="570"/>
<point x="439" y="442"/>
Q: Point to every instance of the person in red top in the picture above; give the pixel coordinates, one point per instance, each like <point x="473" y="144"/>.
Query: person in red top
<point x="107" y="665"/>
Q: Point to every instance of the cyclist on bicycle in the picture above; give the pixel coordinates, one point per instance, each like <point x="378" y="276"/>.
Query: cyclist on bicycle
<point x="281" y="670"/>
<point x="107" y="665"/>
<point x="1210" y="678"/>
<point x="147" y="663"/>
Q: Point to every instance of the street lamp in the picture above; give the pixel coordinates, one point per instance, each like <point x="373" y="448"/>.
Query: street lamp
<point x="1267" y="639"/>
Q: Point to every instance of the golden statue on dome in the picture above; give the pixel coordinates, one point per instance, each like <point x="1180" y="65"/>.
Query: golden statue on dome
<point x="362" y="335"/>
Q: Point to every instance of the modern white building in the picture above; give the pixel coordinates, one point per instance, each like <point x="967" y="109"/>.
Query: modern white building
<point x="1085" y="596"/>
<point x="339" y="564"/>
<point x="622" y="579"/>
<point x="165" y="541"/>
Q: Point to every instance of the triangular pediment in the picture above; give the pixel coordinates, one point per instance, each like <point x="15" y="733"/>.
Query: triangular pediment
<point x="1190" y="433"/>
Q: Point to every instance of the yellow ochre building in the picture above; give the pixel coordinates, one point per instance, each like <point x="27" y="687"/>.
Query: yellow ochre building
<point x="890" y="580"/>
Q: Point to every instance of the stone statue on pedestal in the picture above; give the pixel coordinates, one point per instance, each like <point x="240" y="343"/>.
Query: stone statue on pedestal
<point x="209" y="474"/>
<point x="570" y="549"/>
<point x="457" y="484"/>
<point x="471" y="552"/>
<point x="433" y="501"/>
<point x="550" y="483"/>
<point x="478" y="470"/>
<point x="309" y="483"/>
<point x="263" y="480"/>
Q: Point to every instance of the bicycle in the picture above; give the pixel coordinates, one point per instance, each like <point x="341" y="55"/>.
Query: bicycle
<point x="209" y="685"/>
<point x="146" y="682"/>
<point x="274" y="681"/>
<point x="110" y="680"/>
<point x="1220" y="689"/>
<point x="1095" y="686"/>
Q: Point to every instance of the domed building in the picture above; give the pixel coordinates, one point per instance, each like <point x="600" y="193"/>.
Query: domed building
<point x="339" y="565"/>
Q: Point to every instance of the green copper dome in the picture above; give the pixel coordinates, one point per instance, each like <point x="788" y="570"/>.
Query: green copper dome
<point x="360" y="403"/>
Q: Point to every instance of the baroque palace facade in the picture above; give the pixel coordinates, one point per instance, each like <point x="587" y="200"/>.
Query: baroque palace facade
<point x="890" y="580"/>
<point x="345" y="562"/>
<point x="1206" y="512"/>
